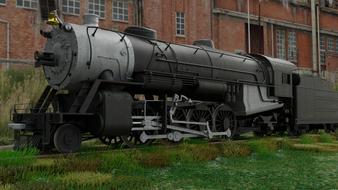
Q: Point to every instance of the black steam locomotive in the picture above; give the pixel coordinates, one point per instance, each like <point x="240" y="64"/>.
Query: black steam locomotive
<point x="131" y="88"/>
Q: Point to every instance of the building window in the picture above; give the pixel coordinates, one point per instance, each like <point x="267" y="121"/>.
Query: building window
<point x="286" y="45"/>
<point x="120" y="10"/>
<point x="2" y="2"/>
<point x="97" y="7"/>
<point x="330" y="44"/>
<point x="280" y="39"/>
<point x="180" y="23"/>
<point x="337" y="45"/>
<point x="292" y="47"/>
<point x="329" y="3"/>
<point x="71" y="7"/>
<point x="31" y="4"/>
<point x="322" y="50"/>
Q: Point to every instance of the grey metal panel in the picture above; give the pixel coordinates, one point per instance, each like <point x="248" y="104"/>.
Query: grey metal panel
<point x="251" y="102"/>
<point x="279" y="67"/>
<point x="316" y="101"/>
<point x="73" y="49"/>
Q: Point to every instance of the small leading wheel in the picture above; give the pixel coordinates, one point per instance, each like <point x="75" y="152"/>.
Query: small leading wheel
<point x="67" y="138"/>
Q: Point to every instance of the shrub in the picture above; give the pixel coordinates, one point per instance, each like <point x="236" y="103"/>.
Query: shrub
<point x="314" y="148"/>
<point x="75" y="164"/>
<point x="9" y="175"/>
<point x="231" y="148"/>
<point x="201" y="152"/>
<point x="120" y="161"/>
<point x="263" y="146"/>
<point x="6" y="187"/>
<point x="5" y="140"/>
<point x="130" y="182"/>
<point x="325" y="138"/>
<point x="158" y="159"/>
<point x="307" y="139"/>
<point x="84" y="179"/>
<point x="33" y="185"/>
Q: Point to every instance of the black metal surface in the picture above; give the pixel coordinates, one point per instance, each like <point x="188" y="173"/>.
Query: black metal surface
<point x="316" y="102"/>
<point x="45" y="59"/>
<point x="116" y="113"/>
<point x="80" y="98"/>
<point x="67" y="138"/>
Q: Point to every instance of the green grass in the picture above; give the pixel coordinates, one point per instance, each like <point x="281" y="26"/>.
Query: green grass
<point x="325" y="138"/>
<point x="12" y="162"/>
<point x="307" y="139"/>
<point x="17" y="158"/>
<point x="268" y="163"/>
<point x="285" y="170"/>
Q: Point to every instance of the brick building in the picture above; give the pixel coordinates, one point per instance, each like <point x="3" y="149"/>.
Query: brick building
<point x="278" y="28"/>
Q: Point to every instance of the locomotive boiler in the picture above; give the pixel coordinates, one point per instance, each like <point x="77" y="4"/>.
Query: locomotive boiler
<point x="130" y="88"/>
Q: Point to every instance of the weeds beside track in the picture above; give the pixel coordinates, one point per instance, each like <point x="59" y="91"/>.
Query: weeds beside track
<point x="267" y="163"/>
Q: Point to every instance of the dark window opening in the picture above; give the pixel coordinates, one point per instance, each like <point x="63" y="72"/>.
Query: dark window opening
<point x="286" y="78"/>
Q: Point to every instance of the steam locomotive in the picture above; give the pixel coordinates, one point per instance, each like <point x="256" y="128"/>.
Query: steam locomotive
<point x="130" y="88"/>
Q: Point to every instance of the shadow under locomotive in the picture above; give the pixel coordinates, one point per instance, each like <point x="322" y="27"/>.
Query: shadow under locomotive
<point x="131" y="88"/>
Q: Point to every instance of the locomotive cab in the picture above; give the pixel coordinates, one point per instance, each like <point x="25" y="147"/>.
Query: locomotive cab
<point x="282" y="77"/>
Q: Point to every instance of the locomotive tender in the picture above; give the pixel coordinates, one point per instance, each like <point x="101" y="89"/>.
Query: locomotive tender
<point x="131" y="88"/>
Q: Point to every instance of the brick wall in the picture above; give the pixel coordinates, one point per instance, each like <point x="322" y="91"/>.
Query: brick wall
<point x="227" y="30"/>
<point x="161" y="16"/>
<point x="3" y="39"/>
<point x="331" y="67"/>
<point x="24" y="31"/>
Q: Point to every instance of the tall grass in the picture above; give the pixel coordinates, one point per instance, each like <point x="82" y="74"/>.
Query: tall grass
<point x="307" y="139"/>
<point x="187" y="166"/>
<point x="17" y="86"/>
<point x="325" y="138"/>
<point x="264" y="147"/>
<point x="13" y="164"/>
<point x="84" y="179"/>
<point x="18" y="158"/>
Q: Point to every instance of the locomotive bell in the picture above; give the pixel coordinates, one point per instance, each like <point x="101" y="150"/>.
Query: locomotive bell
<point x="53" y="18"/>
